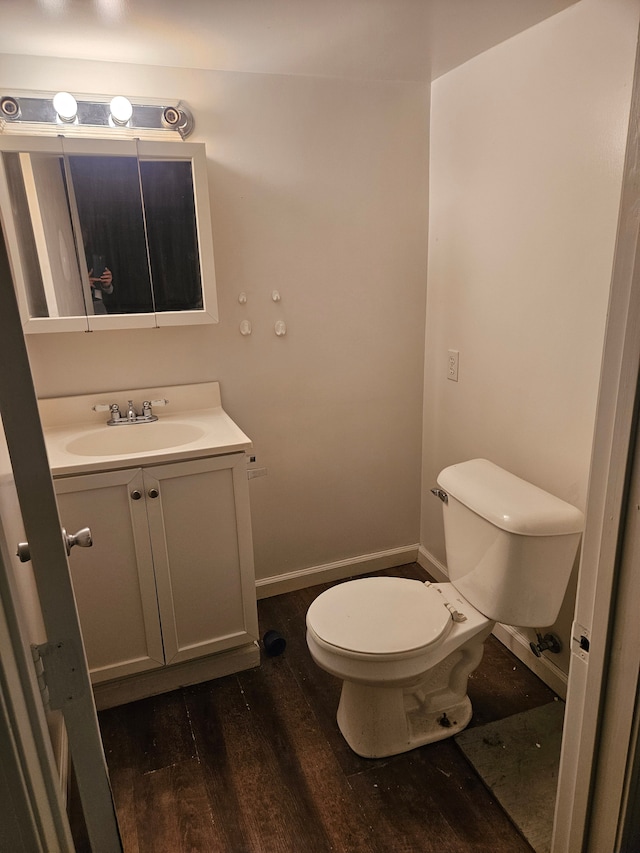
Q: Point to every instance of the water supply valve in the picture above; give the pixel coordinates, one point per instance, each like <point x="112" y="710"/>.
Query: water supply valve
<point x="548" y="643"/>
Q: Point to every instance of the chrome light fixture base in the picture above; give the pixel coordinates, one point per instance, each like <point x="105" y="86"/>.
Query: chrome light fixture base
<point x="36" y="113"/>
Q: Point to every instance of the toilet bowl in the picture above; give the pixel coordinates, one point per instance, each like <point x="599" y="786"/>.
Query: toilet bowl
<point x="404" y="649"/>
<point x="405" y="678"/>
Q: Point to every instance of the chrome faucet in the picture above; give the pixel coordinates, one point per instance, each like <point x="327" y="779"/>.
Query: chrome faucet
<point x="131" y="416"/>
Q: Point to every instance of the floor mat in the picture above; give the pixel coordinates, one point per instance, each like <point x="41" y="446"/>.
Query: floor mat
<point x="518" y="759"/>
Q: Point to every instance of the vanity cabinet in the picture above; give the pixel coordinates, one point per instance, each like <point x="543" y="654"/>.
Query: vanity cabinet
<point x="169" y="578"/>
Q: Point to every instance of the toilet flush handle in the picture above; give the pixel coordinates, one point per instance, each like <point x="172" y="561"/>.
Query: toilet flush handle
<point x="440" y="493"/>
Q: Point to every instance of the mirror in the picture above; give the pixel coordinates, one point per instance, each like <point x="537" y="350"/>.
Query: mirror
<point x="104" y="194"/>
<point x="107" y="233"/>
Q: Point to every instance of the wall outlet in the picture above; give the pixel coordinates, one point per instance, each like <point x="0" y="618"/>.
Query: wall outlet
<point x="252" y="473"/>
<point x="452" y="365"/>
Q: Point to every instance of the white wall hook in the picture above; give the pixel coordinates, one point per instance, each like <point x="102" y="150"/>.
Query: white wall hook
<point x="280" y="328"/>
<point x="242" y="298"/>
<point x="245" y="327"/>
<point x="276" y="296"/>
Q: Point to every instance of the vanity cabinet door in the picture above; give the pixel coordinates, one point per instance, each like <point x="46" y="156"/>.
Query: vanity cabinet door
<point x="200" y="528"/>
<point x="113" y="581"/>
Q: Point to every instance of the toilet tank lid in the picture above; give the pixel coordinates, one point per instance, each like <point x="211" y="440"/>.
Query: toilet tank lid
<point x="507" y="501"/>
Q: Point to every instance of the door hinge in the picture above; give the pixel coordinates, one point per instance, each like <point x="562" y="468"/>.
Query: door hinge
<point x="59" y="670"/>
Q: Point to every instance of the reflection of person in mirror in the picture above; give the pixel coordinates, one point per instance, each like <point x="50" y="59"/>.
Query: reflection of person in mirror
<point x="101" y="281"/>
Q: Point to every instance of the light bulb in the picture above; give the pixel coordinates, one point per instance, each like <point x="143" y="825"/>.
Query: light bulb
<point x="121" y="109"/>
<point x="65" y="105"/>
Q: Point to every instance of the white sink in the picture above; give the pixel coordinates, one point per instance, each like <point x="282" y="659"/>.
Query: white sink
<point x="192" y="426"/>
<point x="134" y="438"/>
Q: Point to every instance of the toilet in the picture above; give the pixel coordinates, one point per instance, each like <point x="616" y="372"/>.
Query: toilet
<point x="404" y="649"/>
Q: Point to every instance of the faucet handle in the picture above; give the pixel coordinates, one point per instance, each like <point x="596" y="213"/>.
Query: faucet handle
<point x="112" y="408"/>
<point x="147" y="413"/>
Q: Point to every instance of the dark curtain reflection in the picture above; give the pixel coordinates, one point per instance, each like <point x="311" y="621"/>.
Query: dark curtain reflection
<point x="167" y="189"/>
<point x="107" y="191"/>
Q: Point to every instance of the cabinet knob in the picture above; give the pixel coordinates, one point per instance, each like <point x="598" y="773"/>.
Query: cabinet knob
<point x="153" y="493"/>
<point x="136" y="495"/>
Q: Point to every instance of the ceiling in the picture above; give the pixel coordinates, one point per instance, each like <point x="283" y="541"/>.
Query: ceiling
<point x="365" y="39"/>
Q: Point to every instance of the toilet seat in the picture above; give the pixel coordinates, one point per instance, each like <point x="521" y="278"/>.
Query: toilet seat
<point x="381" y="616"/>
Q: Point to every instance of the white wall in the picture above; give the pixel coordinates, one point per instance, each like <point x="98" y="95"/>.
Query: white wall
<point x="319" y="189"/>
<point x="527" y="148"/>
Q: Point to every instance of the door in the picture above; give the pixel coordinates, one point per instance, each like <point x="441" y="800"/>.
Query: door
<point x="32" y="815"/>
<point x="203" y="557"/>
<point x="596" y="772"/>
<point x="114" y="581"/>
<point x="66" y="668"/>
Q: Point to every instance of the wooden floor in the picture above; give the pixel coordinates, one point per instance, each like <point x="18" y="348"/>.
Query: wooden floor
<point x="254" y="763"/>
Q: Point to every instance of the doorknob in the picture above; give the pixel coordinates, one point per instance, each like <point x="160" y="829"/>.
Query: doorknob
<point x="81" y="538"/>
<point x="153" y="493"/>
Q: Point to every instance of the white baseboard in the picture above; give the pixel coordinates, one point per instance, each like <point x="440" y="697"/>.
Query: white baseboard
<point x="517" y="643"/>
<point x="278" y="584"/>
<point x="545" y="669"/>
<point x="432" y="565"/>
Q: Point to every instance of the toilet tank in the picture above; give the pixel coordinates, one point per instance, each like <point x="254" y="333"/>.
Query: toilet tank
<point x="510" y="545"/>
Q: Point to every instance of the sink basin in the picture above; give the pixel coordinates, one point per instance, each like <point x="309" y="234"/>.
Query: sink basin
<point x="134" y="438"/>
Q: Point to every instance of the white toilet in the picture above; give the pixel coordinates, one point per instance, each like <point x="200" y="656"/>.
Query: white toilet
<point x="405" y="649"/>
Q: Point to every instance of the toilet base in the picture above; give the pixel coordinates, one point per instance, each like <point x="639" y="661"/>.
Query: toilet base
<point x="380" y="737"/>
<point x="378" y="721"/>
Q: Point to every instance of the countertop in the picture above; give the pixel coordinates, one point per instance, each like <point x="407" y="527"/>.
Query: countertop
<point x="67" y="419"/>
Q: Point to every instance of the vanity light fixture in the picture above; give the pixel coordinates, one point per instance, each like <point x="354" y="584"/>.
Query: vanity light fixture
<point x="66" y="106"/>
<point x="9" y="108"/>
<point x="121" y="110"/>
<point x="177" y="119"/>
<point x="38" y="113"/>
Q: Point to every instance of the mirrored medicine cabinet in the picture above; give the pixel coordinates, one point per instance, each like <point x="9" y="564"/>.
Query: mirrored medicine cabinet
<point x="107" y="234"/>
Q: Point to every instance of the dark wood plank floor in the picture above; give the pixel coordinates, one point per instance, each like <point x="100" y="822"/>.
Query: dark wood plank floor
<point x="254" y="763"/>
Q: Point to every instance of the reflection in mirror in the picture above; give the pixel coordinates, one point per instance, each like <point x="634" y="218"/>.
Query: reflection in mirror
<point x="167" y="190"/>
<point x="117" y="228"/>
<point x="112" y="244"/>
<point x="45" y="237"/>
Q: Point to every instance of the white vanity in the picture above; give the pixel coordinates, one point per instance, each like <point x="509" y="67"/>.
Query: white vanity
<point x="166" y="594"/>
